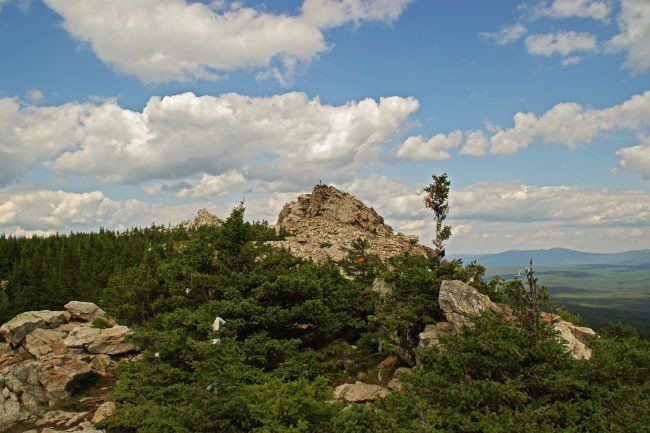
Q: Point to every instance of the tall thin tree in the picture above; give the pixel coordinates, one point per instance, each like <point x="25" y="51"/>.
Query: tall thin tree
<point x="437" y="199"/>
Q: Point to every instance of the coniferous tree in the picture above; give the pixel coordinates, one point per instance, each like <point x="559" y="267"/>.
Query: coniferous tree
<point x="437" y="199"/>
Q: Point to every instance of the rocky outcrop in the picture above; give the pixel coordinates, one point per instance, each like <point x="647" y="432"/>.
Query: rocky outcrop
<point x="84" y="311"/>
<point x="109" y="341"/>
<point x="104" y="411"/>
<point x="53" y="356"/>
<point x="359" y="392"/>
<point x="431" y="334"/>
<point x="17" y="328"/>
<point x="323" y="225"/>
<point x="460" y="302"/>
<point x="203" y="218"/>
<point x="575" y="338"/>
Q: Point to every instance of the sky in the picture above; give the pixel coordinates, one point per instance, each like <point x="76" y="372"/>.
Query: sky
<point x="124" y="113"/>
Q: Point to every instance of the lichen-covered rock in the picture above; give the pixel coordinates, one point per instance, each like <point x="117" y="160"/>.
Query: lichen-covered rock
<point x="460" y="301"/>
<point x="112" y="341"/>
<point x="17" y="328"/>
<point x="431" y="334"/>
<point x="61" y="376"/>
<point x="9" y="408"/>
<point x="83" y="427"/>
<point x="84" y="311"/>
<point x="42" y="342"/>
<point x="107" y="341"/>
<point x="104" y="411"/>
<point x="324" y="223"/>
<point x="81" y="336"/>
<point x="61" y="418"/>
<point x="359" y="392"/>
<point x="575" y="338"/>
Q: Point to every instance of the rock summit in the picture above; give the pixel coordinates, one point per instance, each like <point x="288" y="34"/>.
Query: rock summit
<point x="323" y="224"/>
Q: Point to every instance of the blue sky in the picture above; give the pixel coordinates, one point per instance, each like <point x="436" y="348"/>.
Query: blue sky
<point x="586" y="187"/>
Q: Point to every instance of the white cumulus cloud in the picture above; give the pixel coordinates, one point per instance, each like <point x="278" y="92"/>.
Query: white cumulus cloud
<point x="333" y="13"/>
<point x="476" y="144"/>
<point x="634" y="36"/>
<point x="560" y="9"/>
<point x="507" y="34"/>
<point x="571" y="124"/>
<point x="437" y="148"/>
<point x="517" y="215"/>
<point x="568" y="123"/>
<point x="636" y="158"/>
<point x="177" y="40"/>
<point x="282" y="138"/>
<point x="31" y="134"/>
<point x="562" y="43"/>
<point x="212" y="186"/>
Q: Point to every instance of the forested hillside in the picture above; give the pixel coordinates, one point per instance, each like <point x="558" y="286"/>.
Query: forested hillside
<point x="295" y="329"/>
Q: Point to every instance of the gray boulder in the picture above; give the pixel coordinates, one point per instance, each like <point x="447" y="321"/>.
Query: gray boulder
<point x="84" y="311"/>
<point x="112" y="341"/>
<point x="359" y="392"/>
<point x="15" y="330"/>
<point x="460" y="301"/>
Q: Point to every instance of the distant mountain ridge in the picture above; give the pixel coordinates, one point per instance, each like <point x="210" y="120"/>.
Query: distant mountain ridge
<point x="556" y="256"/>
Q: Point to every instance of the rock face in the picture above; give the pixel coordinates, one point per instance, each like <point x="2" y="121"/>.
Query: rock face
<point x="575" y="338"/>
<point x="52" y="357"/>
<point x="84" y="311"/>
<point x="104" y="411"/>
<point x="460" y="302"/>
<point x="17" y="328"/>
<point x="203" y="218"/>
<point x="359" y="392"/>
<point x="323" y="225"/>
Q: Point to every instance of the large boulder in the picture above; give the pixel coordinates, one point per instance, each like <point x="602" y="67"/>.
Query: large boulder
<point x="42" y="342"/>
<point x="359" y="392"/>
<point x="112" y="341"/>
<point x="460" y="302"/>
<point x="17" y="328"/>
<point x="107" y="341"/>
<point x="64" y="375"/>
<point x="84" y="311"/>
<point x="575" y="338"/>
<point x="81" y="337"/>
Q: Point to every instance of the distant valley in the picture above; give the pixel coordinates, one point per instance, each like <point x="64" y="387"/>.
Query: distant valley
<point x="600" y="287"/>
